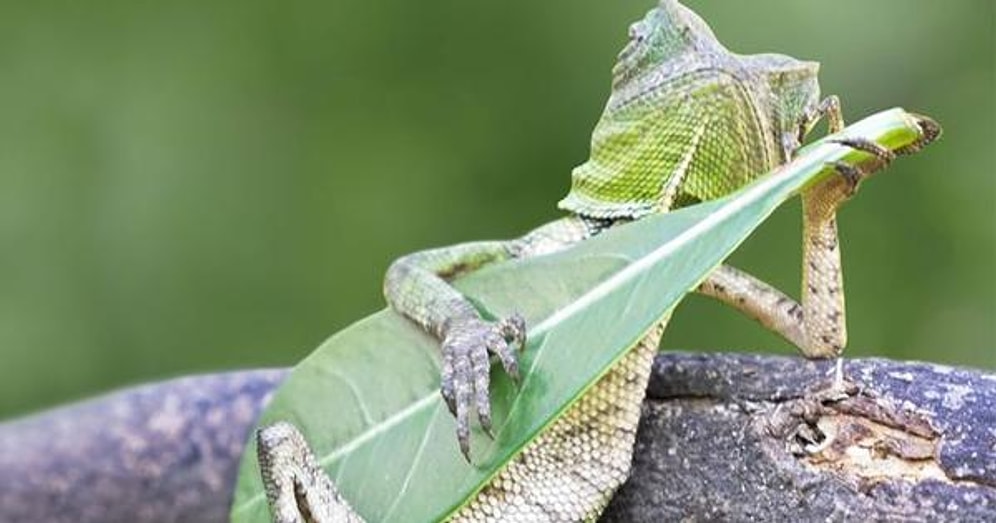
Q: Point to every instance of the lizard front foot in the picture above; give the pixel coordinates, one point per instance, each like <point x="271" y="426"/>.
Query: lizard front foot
<point x="855" y="175"/>
<point x="466" y="377"/>
<point x="836" y="191"/>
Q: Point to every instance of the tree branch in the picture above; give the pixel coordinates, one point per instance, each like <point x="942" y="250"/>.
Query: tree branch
<point x="727" y="437"/>
<point x="732" y="438"/>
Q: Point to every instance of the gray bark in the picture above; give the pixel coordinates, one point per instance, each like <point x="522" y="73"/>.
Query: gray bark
<point x="723" y="437"/>
<point x="164" y="452"/>
<point x="736" y="438"/>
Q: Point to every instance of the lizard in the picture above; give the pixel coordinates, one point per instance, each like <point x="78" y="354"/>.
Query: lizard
<point x="686" y="121"/>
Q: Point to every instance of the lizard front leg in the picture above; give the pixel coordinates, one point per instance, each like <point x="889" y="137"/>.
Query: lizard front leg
<point x="417" y="286"/>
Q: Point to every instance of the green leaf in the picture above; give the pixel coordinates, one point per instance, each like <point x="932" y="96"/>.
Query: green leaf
<point x="368" y="398"/>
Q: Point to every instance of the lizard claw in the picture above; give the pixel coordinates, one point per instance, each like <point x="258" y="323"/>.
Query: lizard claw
<point x="466" y="376"/>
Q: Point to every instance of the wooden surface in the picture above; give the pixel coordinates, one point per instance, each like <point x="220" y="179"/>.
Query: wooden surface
<point x="723" y="437"/>
<point x="736" y="438"/>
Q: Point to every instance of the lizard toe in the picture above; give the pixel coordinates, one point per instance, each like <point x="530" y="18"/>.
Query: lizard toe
<point x="513" y="329"/>
<point x="482" y="382"/>
<point x="851" y="174"/>
<point x="498" y="346"/>
<point x="447" y="381"/>
<point x="463" y="399"/>
<point x="883" y="154"/>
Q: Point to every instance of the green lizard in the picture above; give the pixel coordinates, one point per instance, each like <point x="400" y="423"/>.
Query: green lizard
<point x="687" y="120"/>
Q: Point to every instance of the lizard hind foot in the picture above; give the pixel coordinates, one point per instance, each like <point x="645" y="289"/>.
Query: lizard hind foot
<point x="466" y="377"/>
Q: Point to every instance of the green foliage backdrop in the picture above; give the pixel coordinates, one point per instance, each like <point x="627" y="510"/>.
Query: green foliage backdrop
<point x="195" y="186"/>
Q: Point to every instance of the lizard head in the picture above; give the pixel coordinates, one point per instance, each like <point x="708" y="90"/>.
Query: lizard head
<point x="671" y="38"/>
<point x="684" y="108"/>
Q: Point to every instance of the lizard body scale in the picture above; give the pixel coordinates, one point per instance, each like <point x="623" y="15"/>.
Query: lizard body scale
<point x="687" y="121"/>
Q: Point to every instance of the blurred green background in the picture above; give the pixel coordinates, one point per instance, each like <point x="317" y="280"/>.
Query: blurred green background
<point x="195" y="186"/>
